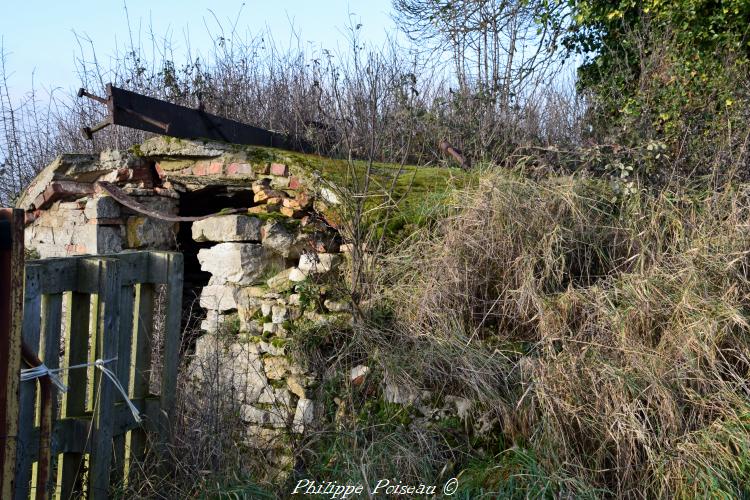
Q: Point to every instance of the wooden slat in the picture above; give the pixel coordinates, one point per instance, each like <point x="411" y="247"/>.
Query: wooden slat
<point x="11" y="316"/>
<point x="28" y="389"/>
<point x="59" y="274"/>
<point x="106" y="345"/>
<point x="172" y="339"/>
<point x="140" y="369"/>
<point x="74" y="401"/>
<point x="50" y="356"/>
<point x="133" y="266"/>
<point x="70" y="435"/>
<point x="123" y="373"/>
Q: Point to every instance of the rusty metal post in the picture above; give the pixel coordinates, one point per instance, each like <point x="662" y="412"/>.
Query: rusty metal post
<point x="44" y="459"/>
<point x="11" y="313"/>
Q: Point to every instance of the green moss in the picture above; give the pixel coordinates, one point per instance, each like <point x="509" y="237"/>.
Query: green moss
<point x="135" y="150"/>
<point x="419" y="191"/>
<point x="279" y="342"/>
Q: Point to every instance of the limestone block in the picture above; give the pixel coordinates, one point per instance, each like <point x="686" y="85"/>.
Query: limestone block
<point x="218" y="297"/>
<point x="296" y="385"/>
<point x="262" y="438"/>
<point x="277" y="367"/>
<point x="98" y="239"/>
<point x="278" y="238"/>
<point x="154" y="234"/>
<point x="279" y="314"/>
<point x="318" y="263"/>
<point x="281" y="282"/>
<point x="227" y="228"/>
<point x="247" y="307"/>
<point x="336" y="306"/>
<point x="243" y="369"/>
<point x="215" y="320"/>
<point x="162" y="204"/>
<point x="304" y="415"/>
<point x="250" y="326"/>
<point x="399" y="394"/>
<point x="207" y="345"/>
<point x="295" y="275"/>
<point x="239" y="263"/>
<point x="271" y="349"/>
<point x="101" y="207"/>
<point x="257" y="416"/>
<point x="270" y="328"/>
<point x="235" y="368"/>
<point x="169" y="147"/>
<point x="278" y="397"/>
<point x="330" y="196"/>
<point x="265" y="308"/>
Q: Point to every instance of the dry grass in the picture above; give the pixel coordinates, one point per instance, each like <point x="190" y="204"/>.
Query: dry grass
<point x="607" y="338"/>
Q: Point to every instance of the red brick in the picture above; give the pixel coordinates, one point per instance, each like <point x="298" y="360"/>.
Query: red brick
<point x="304" y="200"/>
<point x="75" y="249"/>
<point x="279" y="169"/>
<point x="160" y="171"/>
<point x="200" y="168"/>
<point x="239" y="169"/>
<point x="287" y="211"/>
<point x="215" y="168"/>
<point x="294" y="183"/>
<point x="61" y="190"/>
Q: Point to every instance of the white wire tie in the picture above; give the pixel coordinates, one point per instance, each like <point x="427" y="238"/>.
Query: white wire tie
<point x="42" y="371"/>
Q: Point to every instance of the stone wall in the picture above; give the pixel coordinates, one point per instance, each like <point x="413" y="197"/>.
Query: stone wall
<point x="69" y="215"/>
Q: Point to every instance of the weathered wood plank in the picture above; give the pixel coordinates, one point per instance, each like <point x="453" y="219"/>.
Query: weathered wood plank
<point x="124" y="348"/>
<point x="140" y="369"/>
<point x="70" y="435"/>
<point x="28" y="389"/>
<point x="11" y="316"/>
<point x="74" y="401"/>
<point x="59" y="274"/>
<point x="133" y="266"/>
<point x="172" y="338"/>
<point x="50" y="356"/>
<point x="107" y="335"/>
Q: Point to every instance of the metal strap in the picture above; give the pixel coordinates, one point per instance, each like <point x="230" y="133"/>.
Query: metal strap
<point x="126" y="200"/>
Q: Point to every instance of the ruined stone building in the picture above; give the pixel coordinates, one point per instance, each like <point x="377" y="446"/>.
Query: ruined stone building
<point x="272" y="227"/>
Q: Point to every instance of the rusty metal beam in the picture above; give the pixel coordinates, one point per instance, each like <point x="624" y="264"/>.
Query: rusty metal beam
<point x="11" y="310"/>
<point x="141" y="112"/>
<point x="44" y="456"/>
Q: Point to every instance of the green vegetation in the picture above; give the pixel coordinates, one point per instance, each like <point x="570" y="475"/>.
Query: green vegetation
<point x="672" y="72"/>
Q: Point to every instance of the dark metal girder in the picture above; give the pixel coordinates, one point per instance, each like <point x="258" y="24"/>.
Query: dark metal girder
<point x="141" y="112"/>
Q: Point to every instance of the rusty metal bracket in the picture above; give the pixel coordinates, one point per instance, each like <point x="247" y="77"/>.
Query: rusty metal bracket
<point x="124" y="199"/>
<point x="141" y="112"/>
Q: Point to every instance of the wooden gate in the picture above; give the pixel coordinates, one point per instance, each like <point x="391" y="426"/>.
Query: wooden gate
<point x="77" y="310"/>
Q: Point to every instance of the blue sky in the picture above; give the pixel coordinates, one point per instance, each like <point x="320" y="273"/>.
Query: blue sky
<point x="38" y="38"/>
